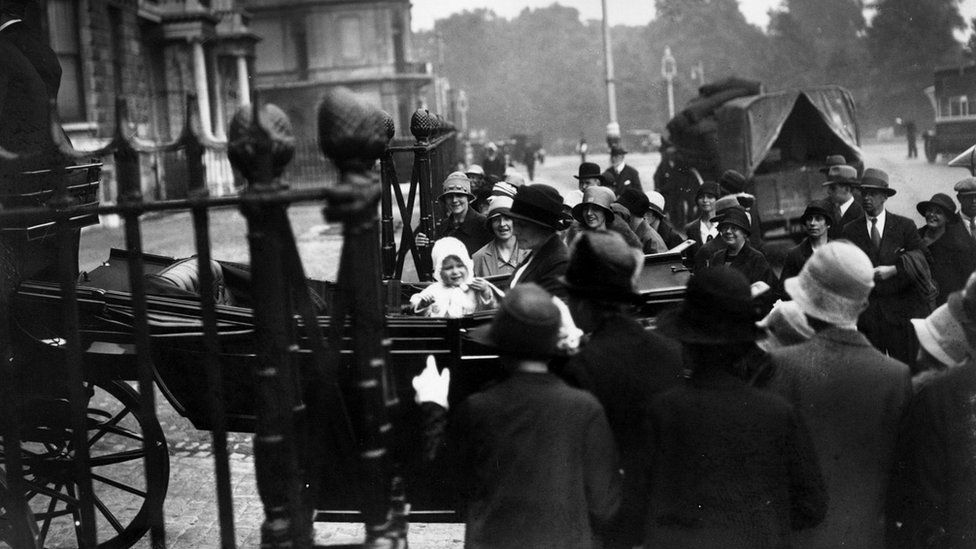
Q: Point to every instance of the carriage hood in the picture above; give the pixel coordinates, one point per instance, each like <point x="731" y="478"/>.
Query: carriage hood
<point x="748" y="126"/>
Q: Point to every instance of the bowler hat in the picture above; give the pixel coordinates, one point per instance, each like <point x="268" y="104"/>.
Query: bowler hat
<point x="635" y="201"/>
<point x="938" y="199"/>
<point x="709" y="187"/>
<point x="838" y="173"/>
<point x="732" y="182"/>
<point x="539" y="204"/>
<point x="526" y="324"/>
<point x="834" y="283"/>
<point x="717" y="309"/>
<point x="602" y="266"/>
<point x="821" y="208"/>
<point x="617" y="150"/>
<point x="601" y="197"/>
<point x="456" y="183"/>
<point x="966" y="186"/>
<point x="589" y="170"/>
<point x="833" y="160"/>
<point x="874" y="179"/>
<point x="734" y="215"/>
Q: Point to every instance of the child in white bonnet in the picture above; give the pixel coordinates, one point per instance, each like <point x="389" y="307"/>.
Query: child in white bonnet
<point x="457" y="292"/>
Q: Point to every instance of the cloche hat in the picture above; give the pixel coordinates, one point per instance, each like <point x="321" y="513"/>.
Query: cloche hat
<point x="540" y="204"/>
<point x="601" y="197"/>
<point x="834" y="283"/>
<point x="717" y="309"/>
<point x="456" y="183"/>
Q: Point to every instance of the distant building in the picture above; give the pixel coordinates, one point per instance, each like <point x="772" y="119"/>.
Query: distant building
<point x="308" y="46"/>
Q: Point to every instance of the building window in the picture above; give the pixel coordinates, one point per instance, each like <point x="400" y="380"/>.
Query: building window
<point x="350" y="35"/>
<point x="63" y="24"/>
<point x="275" y="52"/>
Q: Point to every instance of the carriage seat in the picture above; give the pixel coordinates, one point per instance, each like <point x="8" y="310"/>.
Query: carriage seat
<point x="184" y="276"/>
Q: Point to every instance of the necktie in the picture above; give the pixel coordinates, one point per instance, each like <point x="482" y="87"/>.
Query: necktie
<point x="875" y="235"/>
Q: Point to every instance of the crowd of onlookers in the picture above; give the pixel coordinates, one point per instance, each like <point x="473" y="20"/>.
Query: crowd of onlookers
<point x="831" y="406"/>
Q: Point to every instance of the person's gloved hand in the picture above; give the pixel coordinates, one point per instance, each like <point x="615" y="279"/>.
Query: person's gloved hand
<point x="431" y="386"/>
<point x="569" y="333"/>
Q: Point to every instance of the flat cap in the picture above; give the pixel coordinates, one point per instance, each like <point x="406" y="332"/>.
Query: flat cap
<point x="966" y="186"/>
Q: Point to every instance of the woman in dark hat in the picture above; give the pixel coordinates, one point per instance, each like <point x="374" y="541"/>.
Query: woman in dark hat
<point x="613" y="363"/>
<point x="537" y="214"/>
<point x="734" y="229"/>
<point x="730" y="465"/>
<point x="817" y="220"/>
<point x="703" y="229"/>
<point x="953" y="250"/>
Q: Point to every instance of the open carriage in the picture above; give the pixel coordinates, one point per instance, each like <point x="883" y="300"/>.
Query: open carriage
<point x="187" y="342"/>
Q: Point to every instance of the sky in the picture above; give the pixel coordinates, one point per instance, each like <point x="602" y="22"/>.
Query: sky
<point x="622" y="12"/>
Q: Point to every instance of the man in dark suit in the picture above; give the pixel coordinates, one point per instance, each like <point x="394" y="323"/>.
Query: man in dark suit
<point x="841" y="180"/>
<point x="619" y="175"/>
<point x="537" y="215"/>
<point x="885" y="237"/>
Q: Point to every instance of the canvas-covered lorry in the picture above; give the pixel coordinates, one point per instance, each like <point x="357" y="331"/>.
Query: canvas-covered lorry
<point x="779" y="141"/>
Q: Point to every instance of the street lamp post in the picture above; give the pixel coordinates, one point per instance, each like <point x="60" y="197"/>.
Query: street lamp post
<point x="613" y="128"/>
<point x="668" y="70"/>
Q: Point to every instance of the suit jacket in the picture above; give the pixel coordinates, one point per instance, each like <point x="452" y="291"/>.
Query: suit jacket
<point x="628" y="177"/>
<point x="547" y="265"/>
<point x="852" y="398"/>
<point x="897" y="297"/>
<point x="836" y="230"/>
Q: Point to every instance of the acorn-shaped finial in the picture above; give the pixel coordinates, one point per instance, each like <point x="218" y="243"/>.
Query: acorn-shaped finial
<point x="351" y="132"/>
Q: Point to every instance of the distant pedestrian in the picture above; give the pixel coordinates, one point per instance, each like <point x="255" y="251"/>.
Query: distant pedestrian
<point x="730" y="465"/>
<point x="619" y="175"/>
<point x="581" y="149"/>
<point x="817" y="220"/>
<point x="493" y="162"/>
<point x="911" y="135"/>
<point x="932" y="498"/>
<point x="887" y="239"/>
<point x="953" y="250"/>
<point x="850" y="395"/>
<point x="621" y="363"/>
<point x="588" y="175"/>
<point x="536" y="458"/>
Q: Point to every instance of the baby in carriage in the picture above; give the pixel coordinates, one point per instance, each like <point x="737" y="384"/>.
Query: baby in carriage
<point x="456" y="292"/>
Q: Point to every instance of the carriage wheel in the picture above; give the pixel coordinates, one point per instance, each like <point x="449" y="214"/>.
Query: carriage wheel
<point x="118" y="462"/>
<point x="11" y="531"/>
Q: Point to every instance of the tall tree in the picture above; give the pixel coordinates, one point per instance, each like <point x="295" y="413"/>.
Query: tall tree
<point x="907" y="40"/>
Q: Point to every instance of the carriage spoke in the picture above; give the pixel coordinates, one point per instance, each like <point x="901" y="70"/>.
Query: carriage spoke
<point x="120" y="457"/>
<point x="119" y="485"/>
<point x="106" y="426"/>
<point x="119" y="527"/>
<point x="51" y="507"/>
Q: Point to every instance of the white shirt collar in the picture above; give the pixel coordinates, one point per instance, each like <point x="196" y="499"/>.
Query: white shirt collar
<point x="619" y="167"/>
<point x="8" y="23"/>
<point x="881" y="222"/>
<point x="844" y="206"/>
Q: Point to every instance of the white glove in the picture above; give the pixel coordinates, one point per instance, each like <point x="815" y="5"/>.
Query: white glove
<point x="431" y="386"/>
<point x="569" y="334"/>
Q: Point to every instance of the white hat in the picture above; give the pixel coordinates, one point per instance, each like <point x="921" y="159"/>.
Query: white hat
<point x="834" y="284"/>
<point x="942" y="336"/>
<point x="445" y="247"/>
<point x="657" y="201"/>
<point x="475" y="169"/>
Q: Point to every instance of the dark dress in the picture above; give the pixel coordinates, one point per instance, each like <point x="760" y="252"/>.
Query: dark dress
<point x="796" y="257"/>
<point x="624" y="366"/>
<point x="538" y="464"/>
<point x="753" y="264"/>
<point x="731" y="466"/>
<point x="953" y="258"/>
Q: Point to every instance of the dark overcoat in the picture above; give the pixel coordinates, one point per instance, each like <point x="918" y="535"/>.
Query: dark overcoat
<point x="953" y="258"/>
<point x="852" y="398"/>
<point x="628" y="177"/>
<point x="547" y="265"/>
<point x="795" y="258"/>
<point x="731" y="466"/>
<point x="472" y="232"/>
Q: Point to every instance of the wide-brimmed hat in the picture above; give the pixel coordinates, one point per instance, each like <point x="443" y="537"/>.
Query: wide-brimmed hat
<point x="732" y="182"/>
<point x="734" y="215"/>
<point x="657" y="202"/>
<point x="717" y="309"/>
<point x="526" y="324"/>
<point x="876" y="180"/>
<point x="456" y="183"/>
<point x="819" y="207"/>
<point x="602" y="266"/>
<point x="709" y="187"/>
<point x="938" y="199"/>
<point x="841" y="174"/>
<point x="635" y="201"/>
<point x="833" y="160"/>
<point x="785" y="325"/>
<point x="617" y="150"/>
<point x="475" y="169"/>
<point x="942" y="334"/>
<point x="834" y="283"/>
<point x="726" y="202"/>
<point x="539" y="204"/>
<point x="601" y="197"/>
<point x="589" y="170"/>
<point x="966" y="186"/>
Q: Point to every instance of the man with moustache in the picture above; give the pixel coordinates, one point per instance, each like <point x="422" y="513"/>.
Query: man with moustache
<point x="894" y="301"/>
